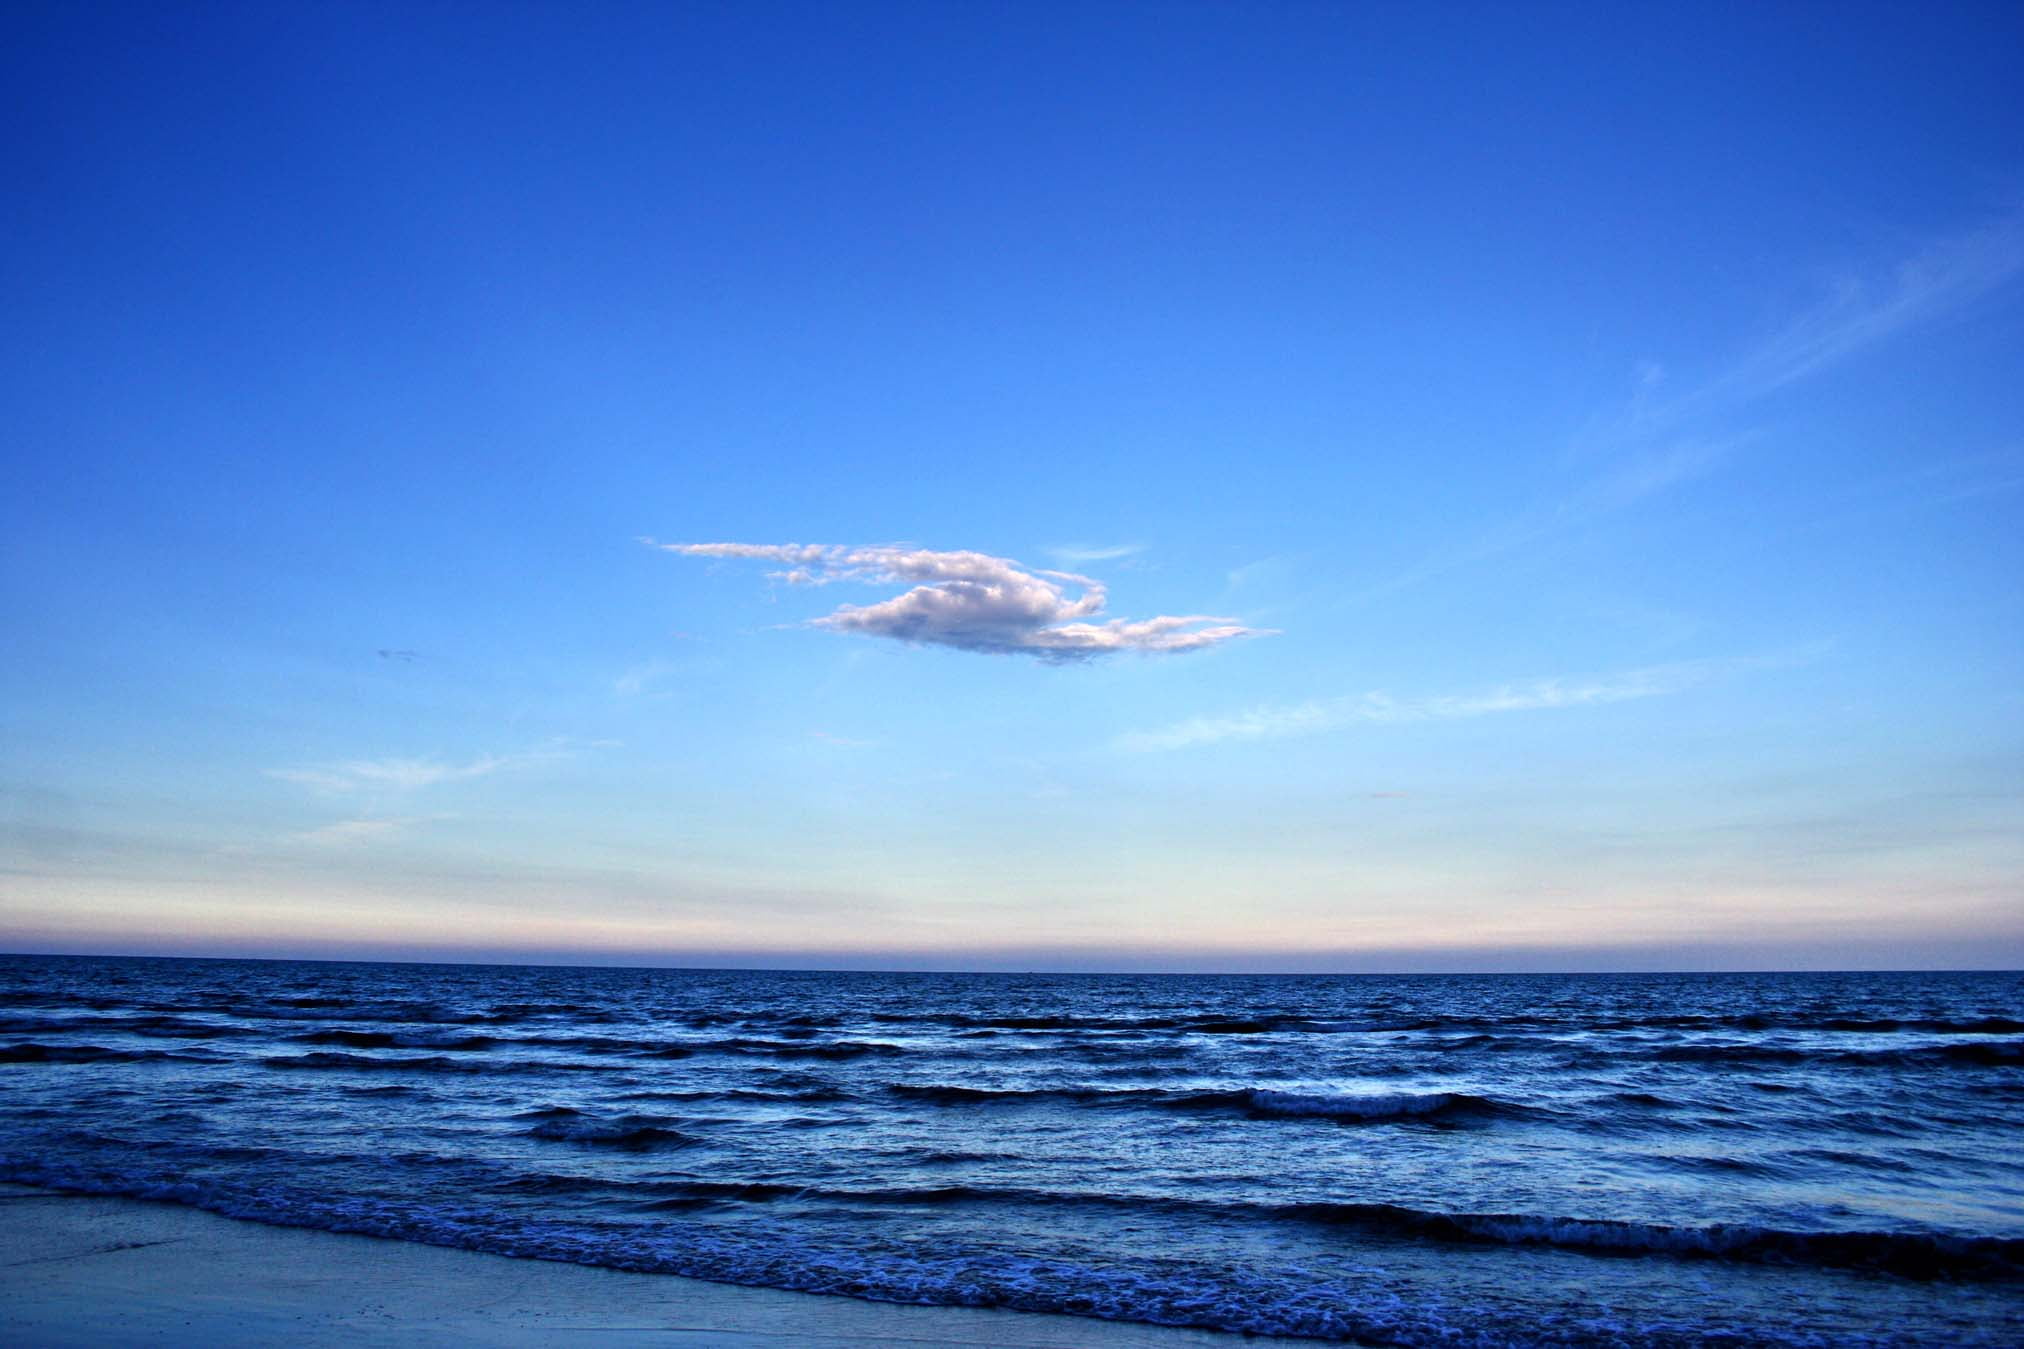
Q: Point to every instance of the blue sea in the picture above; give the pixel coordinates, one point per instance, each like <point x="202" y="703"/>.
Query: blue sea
<point x="1784" y="1159"/>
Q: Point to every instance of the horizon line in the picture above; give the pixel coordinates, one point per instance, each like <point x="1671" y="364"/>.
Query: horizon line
<point x="1094" y="973"/>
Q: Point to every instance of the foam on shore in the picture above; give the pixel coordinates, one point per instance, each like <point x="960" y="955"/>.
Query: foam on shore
<point x="86" y="1270"/>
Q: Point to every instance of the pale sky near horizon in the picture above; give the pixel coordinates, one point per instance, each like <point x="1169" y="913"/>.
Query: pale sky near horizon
<point x="1110" y="486"/>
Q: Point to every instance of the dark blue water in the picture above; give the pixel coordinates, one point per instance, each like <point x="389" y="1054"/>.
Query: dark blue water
<point x="1639" y="1160"/>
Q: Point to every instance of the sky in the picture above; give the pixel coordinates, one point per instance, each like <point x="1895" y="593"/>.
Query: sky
<point x="1015" y="486"/>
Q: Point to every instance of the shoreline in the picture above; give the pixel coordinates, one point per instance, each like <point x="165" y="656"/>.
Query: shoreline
<point x="89" y="1270"/>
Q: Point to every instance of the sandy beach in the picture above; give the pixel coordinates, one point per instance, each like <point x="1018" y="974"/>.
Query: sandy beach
<point x="79" y="1270"/>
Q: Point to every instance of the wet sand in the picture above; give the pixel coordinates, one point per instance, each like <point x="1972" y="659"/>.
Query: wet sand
<point x="81" y="1270"/>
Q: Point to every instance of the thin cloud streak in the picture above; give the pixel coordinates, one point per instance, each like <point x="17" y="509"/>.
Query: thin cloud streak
<point x="1652" y="440"/>
<point x="1319" y="715"/>
<point x="1077" y="553"/>
<point x="973" y="601"/>
<point x="401" y="774"/>
<point x="1944" y="277"/>
<point x="1633" y="480"/>
<point x="353" y="833"/>
<point x="1861" y="312"/>
<point x="641" y="679"/>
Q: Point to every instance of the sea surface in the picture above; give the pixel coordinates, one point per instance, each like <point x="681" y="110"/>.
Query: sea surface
<point x="1808" y="1159"/>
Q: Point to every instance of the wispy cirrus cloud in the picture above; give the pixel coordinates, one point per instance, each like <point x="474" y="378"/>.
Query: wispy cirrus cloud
<point x="642" y="679"/>
<point x="354" y="833"/>
<point x="1635" y="476"/>
<point x="401" y="775"/>
<point x="1277" y="721"/>
<point x="973" y="601"/>
<point x="1668" y="433"/>
<point x="1077" y="554"/>
<point x="1861" y="311"/>
<point x="407" y="775"/>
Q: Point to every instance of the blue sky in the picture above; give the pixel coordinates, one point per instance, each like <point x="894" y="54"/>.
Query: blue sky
<point x="1586" y="443"/>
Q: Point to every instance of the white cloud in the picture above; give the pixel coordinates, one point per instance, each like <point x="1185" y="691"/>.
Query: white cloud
<point x="1328" y="714"/>
<point x="973" y="601"/>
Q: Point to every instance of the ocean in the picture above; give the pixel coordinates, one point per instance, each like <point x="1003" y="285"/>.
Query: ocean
<point x="1760" y="1159"/>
